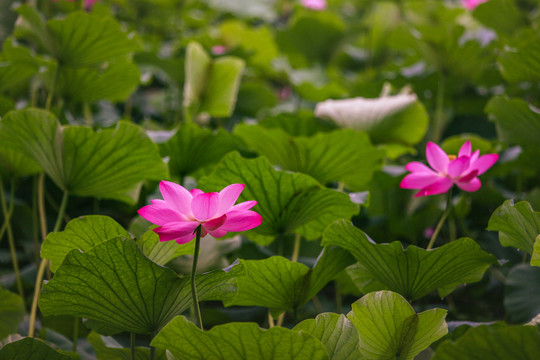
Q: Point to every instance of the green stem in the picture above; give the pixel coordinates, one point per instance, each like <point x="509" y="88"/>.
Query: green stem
<point x="193" y="271"/>
<point x="7" y="219"/>
<point x="75" y="333"/>
<point x="50" y="95"/>
<point x="438" y="120"/>
<point x="41" y="206"/>
<point x="296" y="250"/>
<point x="35" y="219"/>
<point x="132" y="345"/>
<point x="43" y="266"/>
<point x="88" y="114"/>
<point x="441" y="221"/>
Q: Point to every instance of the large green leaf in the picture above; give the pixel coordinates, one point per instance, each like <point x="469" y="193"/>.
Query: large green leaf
<point x="110" y="163"/>
<point x="114" y="81"/>
<point x="211" y="86"/>
<point x="161" y="252"/>
<point x="288" y="202"/>
<point x="13" y="163"/>
<point x="237" y="341"/>
<point x="336" y="332"/>
<point x="411" y="272"/>
<point x="520" y="59"/>
<point x="342" y="155"/>
<point x="389" y="328"/>
<point x="11" y="313"/>
<point x="193" y="148"/>
<point x="535" y="258"/>
<point x="83" y="39"/>
<point x="522" y="293"/>
<point x="518" y="225"/>
<point x="495" y="342"/>
<point x="281" y="285"/>
<point x="30" y="349"/>
<point x="82" y="233"/>
<point x="115" y="284"/>
<point x="517" y="123"/>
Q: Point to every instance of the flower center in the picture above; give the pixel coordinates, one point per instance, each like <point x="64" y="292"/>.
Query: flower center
<point x="452" y="157"/>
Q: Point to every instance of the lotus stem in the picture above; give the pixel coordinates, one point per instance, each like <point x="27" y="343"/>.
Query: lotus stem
<point x="193" y="271"/>
<point x="441" y="221"/>
<point x="7" y="221"/>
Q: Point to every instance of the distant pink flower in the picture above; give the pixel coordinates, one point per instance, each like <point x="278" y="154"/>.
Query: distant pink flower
<point x="447" y="170"/>
<point x="318" y="5"/>
<point x="219" y="49"/>
<point x="182" y="211"/>
<point x="472" y="4"/>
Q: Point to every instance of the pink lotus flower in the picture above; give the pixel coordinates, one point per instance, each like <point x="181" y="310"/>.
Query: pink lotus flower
<point x="447" y="170"/>
<point x="318" y="5"/>
<point x="472" y="4"/>
<point x="181" y="212"/>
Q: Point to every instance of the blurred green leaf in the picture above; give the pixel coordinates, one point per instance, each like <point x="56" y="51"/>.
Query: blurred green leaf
<point x="411" y="272"/>
<point x="336" y="332"/>
<point x="503" y="16"/>
<point x="237" y="341"/>
<point x="30" y="349"/>
<point x="342" y="155"/>
<point x="11" y="313"/>
<point x="193" y="148"/>
<point x="519" y="58"/>
<point x="82" y="233"/>
<point x="518" y="225"/>
<point x="517" y="123"/>
<point x="254" y="97"/>
<point x="522" y="293"/>
<point x="114" y="82"/>
<point x="288" y="202"/>
<point x="535" y="258"/>
<point x="302" y="123"/>
<point x="328" y="30"/>
<point x="115" y="284"/>
<point x="389" y="328"/>
<point x="17" y="66"/>
<point x="494" y="342"/>
<point x="110" y="163"/>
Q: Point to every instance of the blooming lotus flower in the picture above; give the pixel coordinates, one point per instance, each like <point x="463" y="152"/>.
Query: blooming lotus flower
<point x="182" y="211"/>
<point x="318" y="5"/>
<point x="472" y="4"/>
<point x="361" y="113"/>
<point x="447" y="170"/>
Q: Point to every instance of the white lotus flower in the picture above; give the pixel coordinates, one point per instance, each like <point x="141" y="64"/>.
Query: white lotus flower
<point x="362" y="113"/>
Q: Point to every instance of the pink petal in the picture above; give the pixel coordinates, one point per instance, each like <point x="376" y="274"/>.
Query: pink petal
<point x="246" y="205"/>
<point x="436" y="157"/>
<point x="176" y="197"/>
<point x="159" y="214"/>
<point x="241" y="220"/>
<point x="474" y="156"/>
<point x="439" y="187"/>
<point x="416" y="166"/>
<point x="195" y="192"/>
<point x="176" y="230"/>
<point x="418" y="180"/>
<point x="458" y="166"/>
<point x="472" y="185"/>
<point x="185" y="239"/>
<point x="484" y="162"/>
<point x="465" y="149"/>
<point x="469" y="176"/>
<point x="205" y="205"/>
<point x="215" y="223"/>
<point x="228" y="196"/>
<point x="218" y="233"/>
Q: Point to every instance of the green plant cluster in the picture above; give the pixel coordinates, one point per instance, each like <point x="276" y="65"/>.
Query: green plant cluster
<point x="100" y="102"/>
